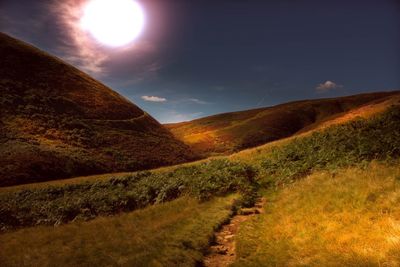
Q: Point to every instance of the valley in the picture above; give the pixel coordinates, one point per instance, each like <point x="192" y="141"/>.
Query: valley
<point x="354" y="160"/>
<point x="89" y="178"/>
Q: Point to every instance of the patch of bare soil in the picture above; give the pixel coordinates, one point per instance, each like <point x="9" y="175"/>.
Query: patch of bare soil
<point x="223" y="250"/>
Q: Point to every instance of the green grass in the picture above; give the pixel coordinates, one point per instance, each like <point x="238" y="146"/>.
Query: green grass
<point x="176" y="233"/>
<point x="346" y="217"/>
<point x="288" y="234"/>
<point x="336" y="146"/>
<point x="57" y="205"/>
<point x="361" y="140"/>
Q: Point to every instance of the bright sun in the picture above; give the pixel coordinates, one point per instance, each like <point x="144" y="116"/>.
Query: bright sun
<point x="113" y="22"/>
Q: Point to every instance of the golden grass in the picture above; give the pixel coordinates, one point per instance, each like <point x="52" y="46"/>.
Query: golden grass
<point x="367" y="111"/>
<point x="251" y="155"/>
<point x="349" y="217"/>
<point x="226" y="133"/>
<point x="170" y="234"/>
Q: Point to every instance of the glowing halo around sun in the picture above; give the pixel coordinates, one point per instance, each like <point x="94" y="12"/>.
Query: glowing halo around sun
<point x="113" y="22"/>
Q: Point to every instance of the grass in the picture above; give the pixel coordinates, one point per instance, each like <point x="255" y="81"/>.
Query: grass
<point x="57" y="205"/>
<point x="176" y="233"/>
<point x="337" y="146"/>
<point x="347" y="217"/>
<point x="98" y="177"/>
<point x="58" y="122"/>
<point x="231" y="132"/>
<point x="309" y="221"/>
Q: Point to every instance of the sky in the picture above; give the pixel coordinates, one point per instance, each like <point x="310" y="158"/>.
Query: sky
<point x="195" y="58"/>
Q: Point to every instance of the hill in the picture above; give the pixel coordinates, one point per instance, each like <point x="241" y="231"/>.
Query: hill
<point x="58" y="122"/>
<point x="230" y="132"/>
<point x="331" y="200"/>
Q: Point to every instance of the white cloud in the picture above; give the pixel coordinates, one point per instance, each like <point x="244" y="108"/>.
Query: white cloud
<point x="153" y="98"/>
<point x="326" y="86"/>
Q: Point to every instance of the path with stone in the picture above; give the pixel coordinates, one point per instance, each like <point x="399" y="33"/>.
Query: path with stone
<point x="223" y="250"/>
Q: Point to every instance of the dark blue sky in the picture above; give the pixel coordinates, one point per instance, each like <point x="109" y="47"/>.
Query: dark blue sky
<point x="199" y="58"/>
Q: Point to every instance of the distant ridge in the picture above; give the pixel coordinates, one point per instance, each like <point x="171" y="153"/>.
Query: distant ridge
<point x="230" y="132"/>
<point x="58" y="122"/>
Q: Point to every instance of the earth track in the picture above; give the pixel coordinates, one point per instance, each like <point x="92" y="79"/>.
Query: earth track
<point x="222" y="251"/>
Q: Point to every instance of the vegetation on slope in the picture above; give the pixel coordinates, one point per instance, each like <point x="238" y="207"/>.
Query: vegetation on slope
<point x="57" y="122"/>
<point x="57" y="205"/>
<point x="341" y="145"/>
<point x="322" y="153"/>
<point x="339" y="217"/>
<point x="230" y="132"/>
<point x="170" y="234"/>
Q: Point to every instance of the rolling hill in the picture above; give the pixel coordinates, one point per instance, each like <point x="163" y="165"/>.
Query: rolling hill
<point x="230" y="132"/>
<point x="57" y="122"/>
<point x="331" y="199"/>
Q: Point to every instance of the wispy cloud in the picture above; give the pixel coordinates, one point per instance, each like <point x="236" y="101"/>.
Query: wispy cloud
<point x="327" y="86"/>
<point x="153" y="98"/>
<point x="78" y="49"/>
<point x="146" y="72"/>
<point x="198" y="101"/>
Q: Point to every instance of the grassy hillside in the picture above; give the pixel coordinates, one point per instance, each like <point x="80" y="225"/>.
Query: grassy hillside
<point x="331" y="201"/>
<point x="170" y="234"/>
<point x="58" y="122"/>
<point x="341" y="217"/>
<point x="230" y="132"/>
<point x="58" y="205"/>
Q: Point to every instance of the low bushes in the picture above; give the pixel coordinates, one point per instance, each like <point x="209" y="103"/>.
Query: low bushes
<point x="56" y="205"/>
<point x="342" y="145"/>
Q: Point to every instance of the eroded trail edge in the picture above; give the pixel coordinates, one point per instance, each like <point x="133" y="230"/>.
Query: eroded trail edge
<point x="223" y="251"/>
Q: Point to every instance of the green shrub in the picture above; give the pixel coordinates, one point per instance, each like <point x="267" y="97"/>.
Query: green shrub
<point x="338" y="146"/>
<point x="57" y="205"/>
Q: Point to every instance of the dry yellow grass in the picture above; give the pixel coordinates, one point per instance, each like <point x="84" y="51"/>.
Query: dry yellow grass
<point x="169" y="234"/>
<point x="349" y="217"/>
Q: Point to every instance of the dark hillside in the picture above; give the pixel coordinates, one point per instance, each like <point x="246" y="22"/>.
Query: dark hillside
<point x="58" y="122"/>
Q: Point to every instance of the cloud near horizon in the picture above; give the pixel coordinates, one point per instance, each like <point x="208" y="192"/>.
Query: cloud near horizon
<point x="327" y="86"/>
<point x="153" y="98"/>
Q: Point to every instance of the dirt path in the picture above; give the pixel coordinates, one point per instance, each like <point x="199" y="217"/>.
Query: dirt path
<point x="223" y="251"/>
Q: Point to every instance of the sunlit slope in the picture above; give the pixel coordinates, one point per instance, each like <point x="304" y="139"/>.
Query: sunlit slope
<point x="57" y="121"/>
<point x="347" y="217"/>
<point x="230" y="132"/>
<point x="168" y="234"/>
<point x="331" y="201"/>
<point x="367" y="111"/>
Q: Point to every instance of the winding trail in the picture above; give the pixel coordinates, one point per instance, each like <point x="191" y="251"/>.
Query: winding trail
<point x="223" y="250"/>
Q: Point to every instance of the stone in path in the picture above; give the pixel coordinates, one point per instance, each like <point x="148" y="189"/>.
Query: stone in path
<point x="223" y="252"/>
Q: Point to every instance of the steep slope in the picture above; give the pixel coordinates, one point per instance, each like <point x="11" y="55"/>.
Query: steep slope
<point x="230" y="132"/>
<point x="57" y="122"/>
